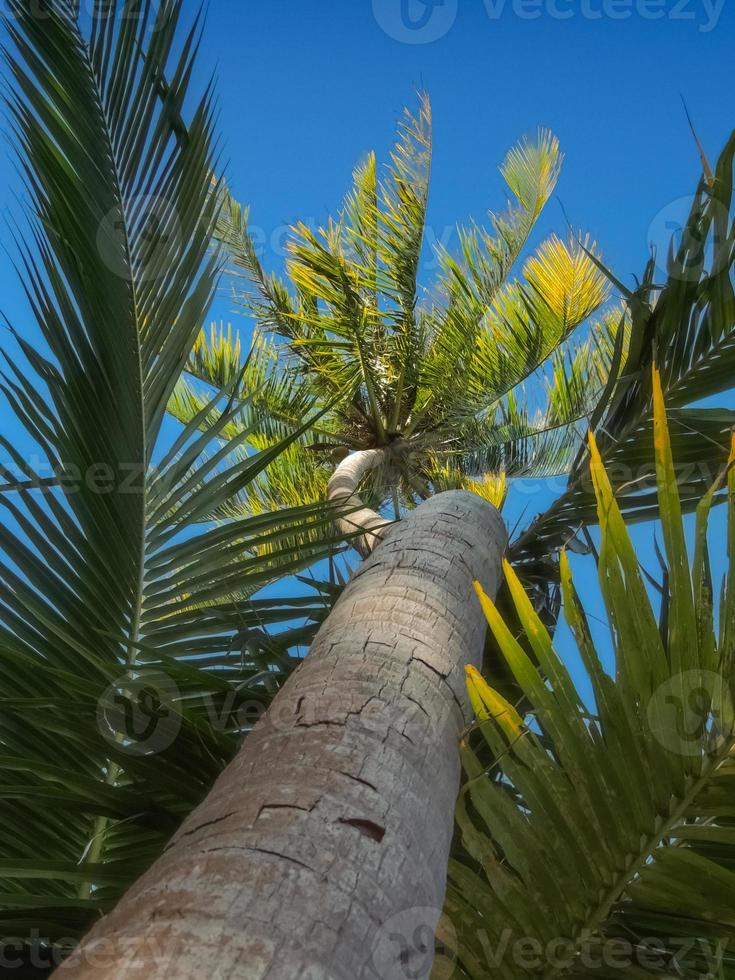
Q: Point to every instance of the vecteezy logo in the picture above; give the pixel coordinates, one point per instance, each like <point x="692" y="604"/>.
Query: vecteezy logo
<point x="691" y="713"/>
<point x="137" y="713"/>
<point x="684" y="248"/>
<point x="158" y="239"/>
<point x="406" y="944"/>
<point x="415" y="21"/>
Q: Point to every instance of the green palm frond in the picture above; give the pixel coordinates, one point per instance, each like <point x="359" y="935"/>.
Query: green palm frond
<point x="360" y="276"/>
<point x="529" y="320"/>
<point x="531" y="170"/>
<point x="471" y="283"/>
<point x="114" y="586"/>
<point x="600" y="839"/>
<point x="444" y="474"/>
<point x="271" y="392"/>
<point x="294" y="478"/>
<point x="217" y="358"/>
<point x="360" y="220"/>
<point x="274" y="305"/>
<point x="401" y="213"/>
<point x="292" y="314"/>
<point x="475" y="358"/>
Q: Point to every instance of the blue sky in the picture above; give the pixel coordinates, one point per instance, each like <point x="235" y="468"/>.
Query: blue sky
<point x="307" y="88"/>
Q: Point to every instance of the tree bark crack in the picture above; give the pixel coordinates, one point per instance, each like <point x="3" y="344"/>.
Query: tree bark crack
<point x="284" y="806"/>
<point x="358" y="779"/>
<point x="262" y="850"/>
<point x="367" y="828"/>
<point x="202" y="826"/>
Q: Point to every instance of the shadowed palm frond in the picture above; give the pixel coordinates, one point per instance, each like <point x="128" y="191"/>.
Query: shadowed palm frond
<point x="121" y="604"/>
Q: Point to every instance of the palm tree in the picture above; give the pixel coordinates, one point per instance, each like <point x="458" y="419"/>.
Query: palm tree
<point x="335" y="816"/>
<point x="600" y="843"/>
<point x="338" y="812"/>
<point x="121" y="600"/>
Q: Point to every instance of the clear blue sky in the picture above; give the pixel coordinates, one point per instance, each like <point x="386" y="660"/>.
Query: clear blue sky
<point x="306" y="88"/>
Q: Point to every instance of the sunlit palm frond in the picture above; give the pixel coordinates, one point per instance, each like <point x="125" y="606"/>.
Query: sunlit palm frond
<point x="535" y="430"/>
<point x="531" y="169"/>
<point x="276" y="310"/>
<point x="687" y="326"/>
<point x="600" y="837"/>
<point x="443" y="473"/>
<point x="271" y="392"/>
<point x="403" y="199"/>
<point x="294" y="478"/>
<point x="471" y="281"/>
<point x="486" y="257"/>
<point x="528" y="320"/>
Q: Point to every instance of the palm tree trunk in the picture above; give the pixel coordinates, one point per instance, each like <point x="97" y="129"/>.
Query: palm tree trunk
<point x="321" y="852"/>
<point x="343" y="490"/>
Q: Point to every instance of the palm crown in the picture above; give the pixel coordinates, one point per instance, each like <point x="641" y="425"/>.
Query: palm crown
<point x="435" y="382"/>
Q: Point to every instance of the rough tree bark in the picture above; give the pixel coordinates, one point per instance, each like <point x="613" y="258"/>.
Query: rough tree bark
<point x="323" y="846"/>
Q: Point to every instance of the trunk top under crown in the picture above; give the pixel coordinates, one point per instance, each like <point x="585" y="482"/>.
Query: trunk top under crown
<point x="355" y="515"/>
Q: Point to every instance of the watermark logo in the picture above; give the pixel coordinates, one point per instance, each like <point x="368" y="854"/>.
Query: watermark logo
<point x="705" y="14"/>
<point x="159" y="240"/>
<point x="691" y="713"/>
<point x="416" y="21"/>
<point x="138" y="714"/>
<point x="406" y="943"/>
<point x="102" y="10"/>
<point x="684" y="249"/>
<point x="424" y="21"/>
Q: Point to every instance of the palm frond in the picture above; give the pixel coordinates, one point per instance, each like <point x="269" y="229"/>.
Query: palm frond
<point x="687" y="326"/>
<point x="401" y="212"/>
<point x="115" y="588"/>
<point x="531" y="170"/>
<point x="443" y="474"/>
<point x="535" y="430"/>
<point x="562" y="287"/>
<point x="271" y="392"/>
<point x="603" y="831"/>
